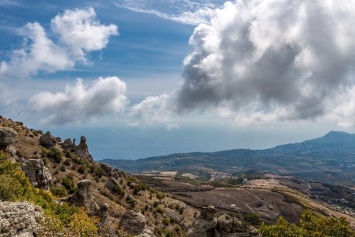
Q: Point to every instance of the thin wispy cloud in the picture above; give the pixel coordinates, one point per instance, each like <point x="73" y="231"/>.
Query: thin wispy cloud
<point x="186" y="12"/>
<point x="8" y="3"/>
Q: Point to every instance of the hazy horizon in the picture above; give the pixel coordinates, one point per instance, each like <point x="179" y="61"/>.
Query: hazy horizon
<point x="132" y="143"/>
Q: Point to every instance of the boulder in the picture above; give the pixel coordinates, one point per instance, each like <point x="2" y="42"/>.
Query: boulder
<point x="107" y="168"/>
<point x="112" y="183"/>
<point x="48" y="140"/>
<point x="134" y="223"/>
<point x="7" y="136"/>
<point x="227" y="225"/>
<point x="146" y="233"/>
<point x="20" y="219"/>
<point x="103" y="213"/>
<point x="207" y="213"/>
<point x="206" y="225"/>
<point x="83" y="197"/>
<point x="38" y="174"/>
<point x="11" y="150"/>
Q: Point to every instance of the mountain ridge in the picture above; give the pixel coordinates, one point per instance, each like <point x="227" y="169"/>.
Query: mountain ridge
<point x="333" y="152"/>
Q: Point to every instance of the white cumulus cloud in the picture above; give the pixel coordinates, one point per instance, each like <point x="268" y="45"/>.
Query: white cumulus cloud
<point x="272" y="60"/>
<point x="81" y="102"/>
<point x="74" y="34"/>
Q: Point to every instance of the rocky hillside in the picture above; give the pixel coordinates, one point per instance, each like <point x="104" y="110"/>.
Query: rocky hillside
<point x="53" y="186"/>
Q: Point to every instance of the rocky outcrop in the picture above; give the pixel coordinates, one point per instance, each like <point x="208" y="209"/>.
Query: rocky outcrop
<point x="19" y="219"/>
<point x="7" y="136"/>
<point x="38" y="174"/>
<point x="68" y="145"/>
<point x="48" y="140"/>
<point x="83" y="197"/>
<point x="134" y="223"/>
<point x="206" y="225"/>
<point x="82" y="150"/>
<point x="225" y="226"/>
<point x="232" y="226"/>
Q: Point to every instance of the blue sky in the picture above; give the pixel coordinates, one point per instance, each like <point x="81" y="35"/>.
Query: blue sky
<point x="176" y="76"/>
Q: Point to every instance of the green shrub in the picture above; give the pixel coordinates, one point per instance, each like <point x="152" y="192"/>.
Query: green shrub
<point x="59" y="191"/>
<point x="56" y="154"/>
<point x="82" y="169"/>
<point x="10" y="188"/>
<point x="160" y="210"/>
<point x="118" y="190"/>
<point x="166" y="221"/>
<point x="131" y="203"/>
<point x="68" y="183"/>
<point x="252" y="219"/>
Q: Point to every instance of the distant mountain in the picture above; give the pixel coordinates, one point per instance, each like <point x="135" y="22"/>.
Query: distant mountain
<point x="331" y="157"/>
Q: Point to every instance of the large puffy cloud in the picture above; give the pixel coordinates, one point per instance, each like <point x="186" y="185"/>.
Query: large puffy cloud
<point x="80" y="103"/>
<point x="272" y="60"/>
<point x="80" y="31"/>
<point x="75" y="33"/>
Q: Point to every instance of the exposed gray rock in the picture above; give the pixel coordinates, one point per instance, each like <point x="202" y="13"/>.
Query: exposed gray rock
<point x="225" y="226"/>
<point x="1" y="120"/>
<point x="207" y="213"/>
<point x="38" y="174"/>
<point x="146" y="233"/>
<point x="19" y="219"/>
<point x="11" y="150"/>
<point x="134" y="223"/>
<point x="206" y="225"/>
<point x="173" y="215"/>
<point x="7" y="136"/>
<point x="83" y="197"/>
<point x="82" y="150"/>
<point x="111" y="183"/>
<point x="67" y="143"/>
<point x="107" y="168"/>
<point x="103" y="213"/>
<point x="48" y="140"/>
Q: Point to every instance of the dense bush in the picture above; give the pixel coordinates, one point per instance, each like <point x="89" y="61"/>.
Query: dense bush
<point x="54" y="153"/>
<point x="59" y="191"/>
<point x="252" y="219"/>
<point x="68" y="183"/>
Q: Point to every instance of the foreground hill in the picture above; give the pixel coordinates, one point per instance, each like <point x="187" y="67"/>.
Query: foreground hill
<point x="330" y="159"/>
<point x="50" y="187"/>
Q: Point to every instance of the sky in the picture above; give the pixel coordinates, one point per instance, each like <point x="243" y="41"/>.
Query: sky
<point x="144" y="78"/>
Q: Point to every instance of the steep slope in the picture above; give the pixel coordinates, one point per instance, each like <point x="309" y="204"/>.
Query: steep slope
<point x="64" y="173"/>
